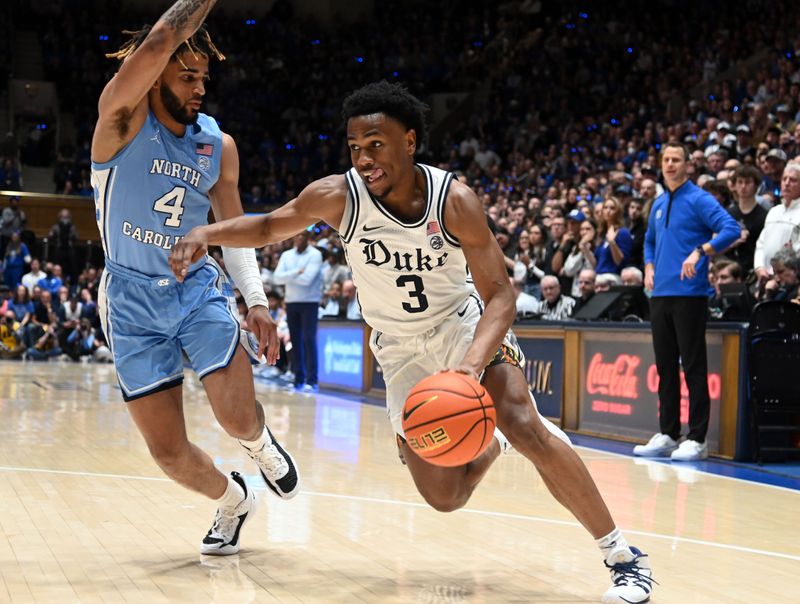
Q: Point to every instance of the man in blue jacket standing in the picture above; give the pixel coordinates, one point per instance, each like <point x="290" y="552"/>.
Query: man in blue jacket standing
<point x="687" y="225"/>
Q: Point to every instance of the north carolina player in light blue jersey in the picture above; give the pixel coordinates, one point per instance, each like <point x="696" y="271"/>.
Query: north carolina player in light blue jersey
<point x="158" y="165"/>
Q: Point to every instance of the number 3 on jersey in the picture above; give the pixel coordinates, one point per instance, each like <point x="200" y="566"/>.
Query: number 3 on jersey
<point x="172" y="204"/>
<point x="415" y="292"/>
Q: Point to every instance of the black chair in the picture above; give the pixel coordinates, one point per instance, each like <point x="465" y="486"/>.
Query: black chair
<point x="774" y="390"/>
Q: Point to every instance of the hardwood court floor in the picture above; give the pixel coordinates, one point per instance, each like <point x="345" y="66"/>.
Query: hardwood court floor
<point x="86" y="516"/>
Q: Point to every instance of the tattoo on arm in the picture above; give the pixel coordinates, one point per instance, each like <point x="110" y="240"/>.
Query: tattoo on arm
<point x="185" y="16"/>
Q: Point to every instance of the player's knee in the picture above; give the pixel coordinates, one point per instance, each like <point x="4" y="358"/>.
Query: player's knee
<point x="169" y="457"/>
<point x="519" y="426"/>
<point x="445" y="502"/>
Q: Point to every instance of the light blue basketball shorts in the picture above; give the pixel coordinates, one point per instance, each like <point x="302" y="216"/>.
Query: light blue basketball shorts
<point x="150" y="321"/>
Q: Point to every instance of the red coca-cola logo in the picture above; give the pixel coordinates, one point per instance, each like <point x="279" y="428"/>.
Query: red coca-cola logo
<point x="616" y="379"/>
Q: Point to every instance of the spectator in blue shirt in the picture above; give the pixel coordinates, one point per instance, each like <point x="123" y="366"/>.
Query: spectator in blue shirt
<point x="52" y="282"/>
<point x="616" y="243"/>
<point x="14" y="260"/>
<point x="21" y="306"/>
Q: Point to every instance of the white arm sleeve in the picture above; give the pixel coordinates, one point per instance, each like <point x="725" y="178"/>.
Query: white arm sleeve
<point x="243" y="268"/>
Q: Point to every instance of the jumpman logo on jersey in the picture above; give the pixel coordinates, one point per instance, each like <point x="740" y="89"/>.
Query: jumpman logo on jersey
<point x="155" y="138"/>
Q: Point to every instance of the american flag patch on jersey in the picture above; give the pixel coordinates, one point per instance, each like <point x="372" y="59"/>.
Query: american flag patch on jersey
<point x="204" y="149"/>
<point x="433" y="228"/>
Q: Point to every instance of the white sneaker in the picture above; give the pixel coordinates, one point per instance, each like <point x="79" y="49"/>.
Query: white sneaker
<point x="632" y="578"/>
<point x="690" y="450"/>
<point x="661" y="445"/>
<point x="277" y="468"/>
<point x="222" y="538"/>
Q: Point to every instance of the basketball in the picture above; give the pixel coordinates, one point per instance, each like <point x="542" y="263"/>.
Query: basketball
<point x="449" y="419"/>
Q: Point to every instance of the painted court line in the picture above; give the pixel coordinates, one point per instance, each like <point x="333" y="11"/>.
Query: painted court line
<point x="674" y="538"/>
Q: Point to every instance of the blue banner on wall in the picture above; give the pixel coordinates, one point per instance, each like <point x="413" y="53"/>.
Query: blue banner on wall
<point x="544" y="370"/>
<point x="341" y="355"/>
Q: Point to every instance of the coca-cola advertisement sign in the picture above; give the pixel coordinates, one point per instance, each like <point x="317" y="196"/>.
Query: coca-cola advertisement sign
<point x="619" y="386"/>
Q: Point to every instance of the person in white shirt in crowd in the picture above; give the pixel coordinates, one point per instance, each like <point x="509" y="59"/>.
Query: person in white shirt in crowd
<point x="526" y="304"/>
<point x="300" y="270"/>
<point x="554" y="306"/>
<point x="632" y="276"/>
<point x="331" y="301"/>
<point x="31" y="279"/>
<point x="604" y="281"/>
<point x="350" y="300"/>
<point x="582" y="255"/>
<point x="782" y="226"/>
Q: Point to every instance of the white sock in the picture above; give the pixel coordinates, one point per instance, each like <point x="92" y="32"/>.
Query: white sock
<point x="232" y="496"/>
<point x="505" y="446"/>
<point x="612" y="545"/>
<point x="257" y="444"/>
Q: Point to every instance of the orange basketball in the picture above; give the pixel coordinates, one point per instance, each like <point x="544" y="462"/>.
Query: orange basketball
<point x="449" y="419"/>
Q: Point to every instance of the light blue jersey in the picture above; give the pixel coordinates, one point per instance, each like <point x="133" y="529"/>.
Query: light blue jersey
<point x="154" y="192"/>
<point x="149" y="196"/>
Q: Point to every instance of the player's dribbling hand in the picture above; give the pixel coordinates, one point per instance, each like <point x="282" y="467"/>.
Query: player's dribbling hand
<point x="188" y="251"/>
<point x="266" y="330"/>
<point x="466" y="371"/>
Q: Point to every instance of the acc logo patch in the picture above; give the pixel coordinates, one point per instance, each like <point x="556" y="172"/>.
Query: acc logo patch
<point x="204" y="163"/>
<point x="436" y="242"/>
<point x="658" y="214"/>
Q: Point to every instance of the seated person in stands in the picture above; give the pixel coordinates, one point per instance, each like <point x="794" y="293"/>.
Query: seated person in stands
<point x="554" y="306"/>
<point x="331" y="302"/>
<point x="723" y="271"/>
<point x="350" y="308"/>
<point x="11" y="346"/>
<point x="586" y="280"/>
<point x="784" y="282"/>
<point x="527" y="305"/>
<point x="632" y="276"/>
<point x="604" y="281"/>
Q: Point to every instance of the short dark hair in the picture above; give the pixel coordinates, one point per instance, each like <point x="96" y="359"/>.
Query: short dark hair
<point x="683" y="148"/>
<point x="748" y="173"/>
<point x="394" y="101"/>
<point x="722" y="263"/>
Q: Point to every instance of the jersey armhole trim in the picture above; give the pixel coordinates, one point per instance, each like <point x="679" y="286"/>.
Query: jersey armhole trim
<point x="353" y="208"/>
<point x="449" y="237"/>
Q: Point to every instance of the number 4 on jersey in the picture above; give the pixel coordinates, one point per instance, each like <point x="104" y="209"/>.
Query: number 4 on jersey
<point x="172" y="204"/>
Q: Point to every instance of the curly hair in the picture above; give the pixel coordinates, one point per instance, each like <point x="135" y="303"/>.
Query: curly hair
<point x="394" y="101"/>
<point x="199" y="43"/>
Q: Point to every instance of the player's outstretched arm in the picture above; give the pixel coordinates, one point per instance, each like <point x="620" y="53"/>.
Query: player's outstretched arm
<point x="321" y="201"/>
<point x="122" y="102"/>
<point x="465" y="219"/>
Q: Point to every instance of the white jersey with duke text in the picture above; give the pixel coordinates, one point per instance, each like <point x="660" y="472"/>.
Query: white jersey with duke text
<point x="409" y="276"/>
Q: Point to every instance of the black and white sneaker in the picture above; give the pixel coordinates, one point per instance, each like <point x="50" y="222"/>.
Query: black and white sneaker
<point x="277" y="467"/>
<point x="222" y="538"/>
<point x="632" y="578"/>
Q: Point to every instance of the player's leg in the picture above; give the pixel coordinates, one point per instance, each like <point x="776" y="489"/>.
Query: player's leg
<point x="210" y="335"/>
<point x="447" y="489"/>
<point x="562" y="470"/>
<point x="140" y="318"/>
<point x="568" y="480"/>
<point x="160" y="420"/>
<point x="232" y="395"/>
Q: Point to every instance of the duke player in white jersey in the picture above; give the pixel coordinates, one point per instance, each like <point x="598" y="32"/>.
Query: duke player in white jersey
<point x="410" y="231"/>
<point x="157" y="166"/>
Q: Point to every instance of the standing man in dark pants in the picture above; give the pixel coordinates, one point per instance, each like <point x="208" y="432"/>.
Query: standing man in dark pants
<point x="300" y="270"/>
<point x="678" y="241"/>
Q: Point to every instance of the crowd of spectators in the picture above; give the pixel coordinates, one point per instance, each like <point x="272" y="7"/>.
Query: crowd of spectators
<point x="570" y="108"/>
